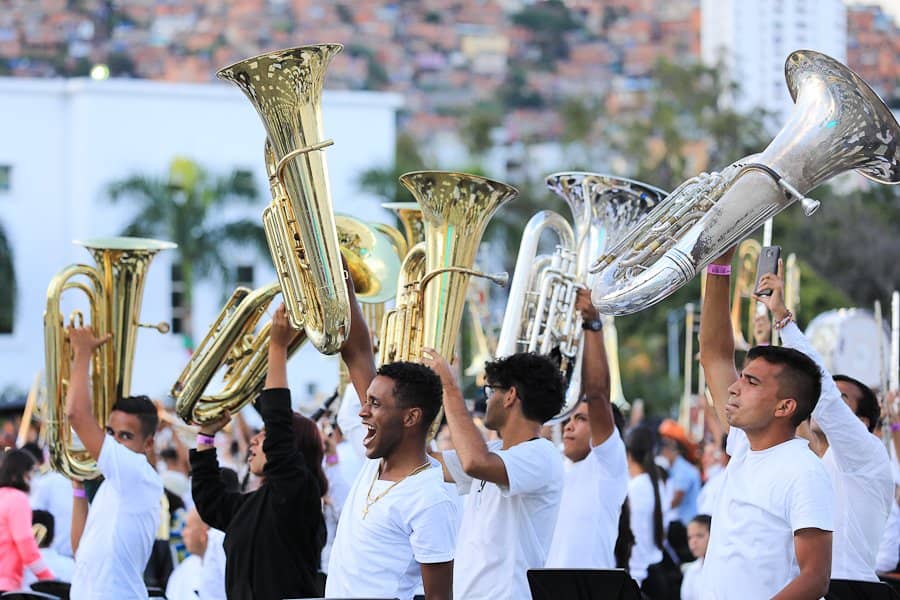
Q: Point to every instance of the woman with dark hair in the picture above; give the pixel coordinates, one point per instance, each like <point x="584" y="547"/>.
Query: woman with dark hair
<point x="646" y="512"/>
<point x="273" y="535"/>
<point x="18" y="548"/>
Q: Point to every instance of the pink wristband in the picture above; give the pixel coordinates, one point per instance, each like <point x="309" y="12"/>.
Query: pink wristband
<point x="206" y="440"/>
<point x="79" y="493"/>
<point x="718" y="270"/>
<point x="895" y="426"/>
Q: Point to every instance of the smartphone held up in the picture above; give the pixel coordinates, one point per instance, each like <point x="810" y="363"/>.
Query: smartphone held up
<point x="767" y="263"/>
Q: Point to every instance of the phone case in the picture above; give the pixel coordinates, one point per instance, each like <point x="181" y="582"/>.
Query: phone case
<point x="767" y="263"/>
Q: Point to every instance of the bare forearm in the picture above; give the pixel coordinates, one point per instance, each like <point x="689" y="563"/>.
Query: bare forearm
<point x="595" y="384"/>
<point x="717" y="343"/>
<point x="276" y="375"/>
<point x="79" y="518"/>
<point x="806" y="586"/>
<point x="467" y="440"/>
<point x="357" y="352"/>
<point x="78" y="396"/>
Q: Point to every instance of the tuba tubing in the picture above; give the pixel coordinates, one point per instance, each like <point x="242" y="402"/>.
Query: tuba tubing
<point x="285" y="88"/>
<point x="114" y="289"/>
<point x="838" y="124"/>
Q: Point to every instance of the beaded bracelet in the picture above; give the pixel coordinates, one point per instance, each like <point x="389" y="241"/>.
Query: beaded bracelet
<point x="724" y="270"/>
<point x="781" y="323"/>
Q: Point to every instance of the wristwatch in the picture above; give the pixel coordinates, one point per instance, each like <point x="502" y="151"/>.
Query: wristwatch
<point x="593" y="325"/>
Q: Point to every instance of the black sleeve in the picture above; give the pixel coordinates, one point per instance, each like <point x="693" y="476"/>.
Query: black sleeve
<point x="283" y="460"/>
<point x="215" y="505"/>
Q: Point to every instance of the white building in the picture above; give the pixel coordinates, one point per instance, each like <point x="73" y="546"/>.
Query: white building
<point x="64" y="141"/>
<point x="754" y="39"/>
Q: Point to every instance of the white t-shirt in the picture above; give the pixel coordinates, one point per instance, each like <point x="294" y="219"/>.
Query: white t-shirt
<point x="690" y="582"/>
<point x="642" y="504"/>
<point x="183" y="581"/>
<point x="588" y="523"/>
<point x="379" y="555"/>
<point x="766" y="496"/>
<point x="860" y="471"/>
<point x="211" y="584"/>
<point x="709" y="493"/>
<point x="506" y="531"/>
<point x="120" y="529"/>
<point x="52" y="492"/>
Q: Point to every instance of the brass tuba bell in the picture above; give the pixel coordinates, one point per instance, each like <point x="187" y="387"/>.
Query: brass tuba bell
<point x="838" y="124"/>
<point x="114" y="289"/>
<point x="540" y="313"/>
<point x="285" y="88"/>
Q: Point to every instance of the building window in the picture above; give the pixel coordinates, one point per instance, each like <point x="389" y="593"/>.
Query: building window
<point x="179" y="308"/>
<point x="244" y="275"/>
<point x="5" y="178"/>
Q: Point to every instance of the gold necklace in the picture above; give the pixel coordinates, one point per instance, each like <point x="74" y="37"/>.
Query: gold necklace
<point x="370" y="501"/>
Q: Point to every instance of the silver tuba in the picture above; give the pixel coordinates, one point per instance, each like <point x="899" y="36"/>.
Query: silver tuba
<point x="540" y="313"/>
<point x="838" y="124"/>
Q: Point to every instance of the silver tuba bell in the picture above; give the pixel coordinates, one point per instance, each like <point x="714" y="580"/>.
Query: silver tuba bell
<point x="838" y="124"/>
<point x="540" y="313"/>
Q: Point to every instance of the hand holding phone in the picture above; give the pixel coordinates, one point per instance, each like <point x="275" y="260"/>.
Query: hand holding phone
<point x="767" y="263"/>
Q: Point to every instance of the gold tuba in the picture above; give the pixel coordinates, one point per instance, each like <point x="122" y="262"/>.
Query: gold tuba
<point x="434" y="276"/>
<point x="114" y="289"/>
<point x="234" y="343"/>
<point x="838" y="124"/>
<point x="540" y="313"/>
<point x="285" y="88"/>
<point x="744" y="287"/>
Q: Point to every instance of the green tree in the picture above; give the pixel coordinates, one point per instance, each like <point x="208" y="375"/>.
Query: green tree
<point x="185" y="206"/>
<point x="383" y="181"/>
<point x="8" y="287"/>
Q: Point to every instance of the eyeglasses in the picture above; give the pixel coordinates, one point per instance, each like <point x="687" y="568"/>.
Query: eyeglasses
<point x="489" y="389"/>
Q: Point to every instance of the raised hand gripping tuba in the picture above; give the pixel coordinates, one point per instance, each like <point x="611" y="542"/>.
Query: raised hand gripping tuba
<point x="838" y="124"/>
<point x="285" y="88"/>
<point x="434" y="276"/>
<point x="540" y="313"/>
<point x="234" y="343"/>
<point x="114" y="289"/>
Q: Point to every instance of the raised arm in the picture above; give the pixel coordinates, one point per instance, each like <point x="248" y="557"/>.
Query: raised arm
<point x="854" y="447"/>
<point x="476" y="460"/>
<point x="716" y="337"/>
<point x="595" y="383"/>
<point x="357" y="352"/>
<point x="215" y="504"/>
<point x="78" y="396"/>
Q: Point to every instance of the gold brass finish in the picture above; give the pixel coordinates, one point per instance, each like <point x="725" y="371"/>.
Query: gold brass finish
<point x="114" y="289"/>
<point x="285" y="88"/>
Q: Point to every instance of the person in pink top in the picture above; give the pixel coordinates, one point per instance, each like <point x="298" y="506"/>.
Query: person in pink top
<point x="18" y="548"/>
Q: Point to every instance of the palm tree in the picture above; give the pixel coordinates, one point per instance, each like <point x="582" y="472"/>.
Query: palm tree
<point x="7" y="284"/>
<point x="185" y="207"/>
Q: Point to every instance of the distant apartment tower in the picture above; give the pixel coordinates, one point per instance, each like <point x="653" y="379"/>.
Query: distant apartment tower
<point x="873" y="49"/>
<point x="753" y="39"/>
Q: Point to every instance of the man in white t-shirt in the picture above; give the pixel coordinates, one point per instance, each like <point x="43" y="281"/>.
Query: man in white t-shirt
<point x="597" y="482"/>
<point x="856" y="460"/>
<point x="772" y="531"/>
<point x="200" y="576"/>
<point x="112" y="541"/>
<point x="397" y="529"/>
<point x="513" y="484"/>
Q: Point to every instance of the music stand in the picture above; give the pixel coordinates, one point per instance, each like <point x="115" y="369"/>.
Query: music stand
<point x="582" y="584"/>
<point x="846" y="589"/>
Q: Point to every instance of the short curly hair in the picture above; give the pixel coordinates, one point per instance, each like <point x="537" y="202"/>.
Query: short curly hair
<point x="537" y="380"/>
<point x="416" y="386"/>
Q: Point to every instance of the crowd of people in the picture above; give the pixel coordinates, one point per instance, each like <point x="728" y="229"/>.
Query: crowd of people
<point x="791" y="490"/>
